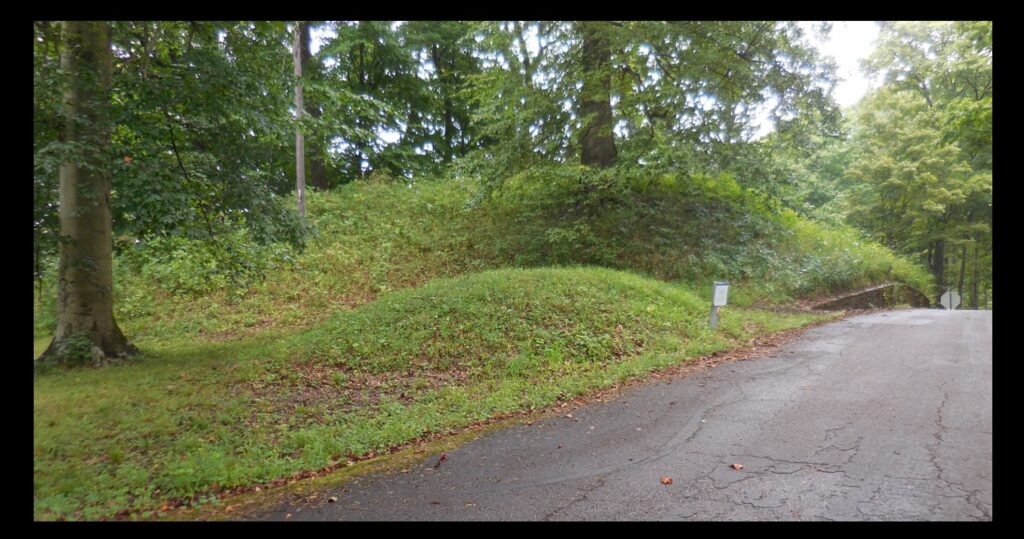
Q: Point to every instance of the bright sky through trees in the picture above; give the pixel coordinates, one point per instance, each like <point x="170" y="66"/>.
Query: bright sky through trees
<point x="849" y="43"/>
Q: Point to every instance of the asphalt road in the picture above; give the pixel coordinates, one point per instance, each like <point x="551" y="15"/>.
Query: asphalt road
<point x="886" y="416"/>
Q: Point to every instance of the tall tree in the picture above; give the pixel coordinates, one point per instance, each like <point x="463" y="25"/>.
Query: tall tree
<point x="86" y="330"/>
<point x="597" y="147"/>
<point x="310" y="71"/>
<point x="927" y="142"/>
<point x="680" y="96"/>
<point x="300" y="154"/>
<point x="438" y="108"/>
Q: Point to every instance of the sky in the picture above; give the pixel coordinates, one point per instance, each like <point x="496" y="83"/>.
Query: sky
<point x="848" y="43"/>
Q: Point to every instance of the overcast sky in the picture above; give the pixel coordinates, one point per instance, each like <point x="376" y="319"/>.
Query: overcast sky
<point x="848" y="43"/>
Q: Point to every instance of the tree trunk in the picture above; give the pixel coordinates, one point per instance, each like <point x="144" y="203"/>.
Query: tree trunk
<point x="86" y="331"/>
<point x="938" y="267"/>
<point x="300" y="150"/>
<point x="449" y="127"/>
<point x="449" y="130"/>
<point x="974" y="280"/>
<point x="963" y="269"/>
<point x="597" y="144"/>
<point x="317" y="170"/>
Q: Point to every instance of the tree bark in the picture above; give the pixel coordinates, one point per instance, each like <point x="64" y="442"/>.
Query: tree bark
<point x="597" y="143"/>
<point x="963" y="269"/>
<point x="974" y="280"/>
<point x="938" y="266"/>
<point x="86" y="330"/>
<point x="300" y="151"/>
<point x="437" y="58"/>
<point x="317" y="170"/>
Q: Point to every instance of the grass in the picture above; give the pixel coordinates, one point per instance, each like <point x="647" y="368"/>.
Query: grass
<point x="411" y="313"/>
<point x="376" y="237"/>
<point x="184" y="423"/>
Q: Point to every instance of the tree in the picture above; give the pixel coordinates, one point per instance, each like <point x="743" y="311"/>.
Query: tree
<point x="370" y="89"/>
<point x="47" y="126"/>
<point x="438" y="108"/>
<point x="678" y="96"/>
<point x="86" y="330"/>
<point x="597" y="147"/>
<point x="300" y="154"/>
<point x="310" y="70"/>
<point x="926" y="145"/>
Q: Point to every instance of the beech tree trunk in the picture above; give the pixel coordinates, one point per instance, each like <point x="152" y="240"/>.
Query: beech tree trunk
<point x="86" y="331"/>
<point x="317" y="170"/>
<point x="597" y="144"/>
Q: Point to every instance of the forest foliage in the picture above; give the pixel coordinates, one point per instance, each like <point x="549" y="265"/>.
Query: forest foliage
<point x="201" y="150"/>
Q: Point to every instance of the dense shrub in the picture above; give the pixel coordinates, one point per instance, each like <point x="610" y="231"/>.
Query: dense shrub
<point x="190" y="266"/>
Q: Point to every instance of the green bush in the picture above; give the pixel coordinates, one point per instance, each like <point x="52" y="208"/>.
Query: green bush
<point x="193" y="266"/>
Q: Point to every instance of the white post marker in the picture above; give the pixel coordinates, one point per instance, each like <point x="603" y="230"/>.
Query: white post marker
<point x="950" y="300"/>
<point x="718" y="299"/>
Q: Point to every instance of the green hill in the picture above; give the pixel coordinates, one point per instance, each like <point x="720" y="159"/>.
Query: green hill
<point x="375" y="237"/>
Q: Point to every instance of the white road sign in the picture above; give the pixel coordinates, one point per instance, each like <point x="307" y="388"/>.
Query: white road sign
<point x="721" y="294"/>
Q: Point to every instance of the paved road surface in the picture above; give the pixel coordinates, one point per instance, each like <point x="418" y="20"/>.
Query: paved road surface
<point x="886" y="416"/>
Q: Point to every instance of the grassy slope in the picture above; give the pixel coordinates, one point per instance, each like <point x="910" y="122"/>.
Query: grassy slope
<point x="455" y="351"/>
<point x="387" y="328"/>
<point x="376" y="237"/>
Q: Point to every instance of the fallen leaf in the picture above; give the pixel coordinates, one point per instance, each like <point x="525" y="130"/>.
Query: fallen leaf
<point x="444" y="457"/>
<point x="435" y="503"/>
<point x="332" y="499"/>
<point x="289" y="515"/>
<point x="666" y="480"/>
<point x="737" y="466"/>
